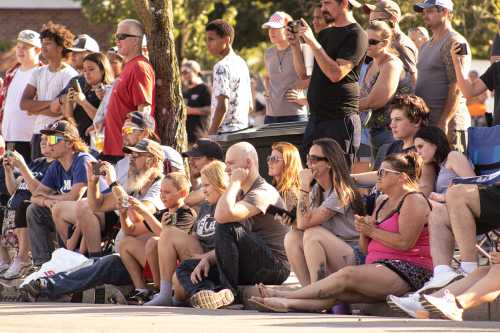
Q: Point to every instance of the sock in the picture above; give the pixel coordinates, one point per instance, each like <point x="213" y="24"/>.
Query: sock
<point x="142" y="290"/>
<point x="164" y="297"/>
<point x="441" y="269"/>
<point x="468" y="266"/>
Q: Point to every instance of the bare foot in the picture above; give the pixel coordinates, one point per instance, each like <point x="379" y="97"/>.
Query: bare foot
<point x="274" y="304"/>
<point x="267" y="292"/>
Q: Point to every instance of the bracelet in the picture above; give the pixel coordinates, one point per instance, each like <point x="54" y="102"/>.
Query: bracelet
<point x="113" y="184"/>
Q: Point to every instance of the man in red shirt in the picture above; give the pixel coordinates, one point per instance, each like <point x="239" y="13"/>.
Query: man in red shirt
<point x="134" y="89"/>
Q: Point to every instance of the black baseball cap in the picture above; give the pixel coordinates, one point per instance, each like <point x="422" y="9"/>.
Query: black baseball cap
<point x="207" y="148"/>
<point x="64" y="128"/>
<point x="142" y="120"/>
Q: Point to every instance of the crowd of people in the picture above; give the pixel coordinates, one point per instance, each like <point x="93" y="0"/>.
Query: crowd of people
<point x="82" y="168"/>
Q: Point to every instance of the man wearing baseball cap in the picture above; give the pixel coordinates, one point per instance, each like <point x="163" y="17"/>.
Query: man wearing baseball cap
<point x="437" y="81"/>
<point x="63" y="184"/>
<point x="82" y="46"/>
<point x="202" y="153"/>
<point x="282" y="80"/>
<point x="389" y="12"/>
<point x="28" y="48"/>
<point x="333" y="93"/>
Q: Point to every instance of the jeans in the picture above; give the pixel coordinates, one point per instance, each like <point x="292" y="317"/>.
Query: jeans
<point x="42" y="233"/>
<point x="284" y="119"/>
<point x="36" y="151"/>
<point x="242" y="259"/>
<point x="346" y="131"/>
<point x="105" y="270"/>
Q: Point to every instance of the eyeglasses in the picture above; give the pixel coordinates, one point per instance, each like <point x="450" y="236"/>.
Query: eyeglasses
<point x="125" y="36"/>
<point x="381" y="173"/>
<point x="316" y="158"/>
<point x="274" y="159"/>
<point x="129" y="130"/>
<point x="374" y="41"/>
<point x="54" y="139"/>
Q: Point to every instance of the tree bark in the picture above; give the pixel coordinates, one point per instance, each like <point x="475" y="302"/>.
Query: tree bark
<point x="170" y="114"/>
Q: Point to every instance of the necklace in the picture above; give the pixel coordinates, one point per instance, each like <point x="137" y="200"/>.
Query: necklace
<point x="281" y="58"/>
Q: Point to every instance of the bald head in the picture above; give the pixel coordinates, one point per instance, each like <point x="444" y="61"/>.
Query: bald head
<point x="242" y="155"/>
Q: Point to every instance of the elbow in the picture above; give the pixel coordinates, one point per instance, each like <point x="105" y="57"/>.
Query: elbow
<point x="223" y="217"/>
<point x="405" y="245"/>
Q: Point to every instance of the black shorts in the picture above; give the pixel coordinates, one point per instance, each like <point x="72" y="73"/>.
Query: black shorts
<point x="489" y="219"/>
<point x="20" y="219"/>
<point x="110" y="221"/>
<point x="412" y="274"/>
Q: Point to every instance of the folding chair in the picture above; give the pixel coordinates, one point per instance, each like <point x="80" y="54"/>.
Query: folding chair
<point x="484" y="149"/>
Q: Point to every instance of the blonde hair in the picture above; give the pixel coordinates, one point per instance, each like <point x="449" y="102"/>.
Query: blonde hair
<point x="215" y="172"/>
<point x="385" y="32"/>
<point x="180" y="181"/>
<point x="291" y="167"/>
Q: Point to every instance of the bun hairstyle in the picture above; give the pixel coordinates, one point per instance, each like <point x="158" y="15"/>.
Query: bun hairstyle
<point x="414" y="107"/>
<point x="409" y="163"/>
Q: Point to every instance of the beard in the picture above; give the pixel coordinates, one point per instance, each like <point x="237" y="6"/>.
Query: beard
<point x="136" y="180"/>
<point x="328" y="17"/>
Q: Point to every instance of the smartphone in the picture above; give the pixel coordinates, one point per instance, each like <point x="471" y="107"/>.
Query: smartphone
<point x="273" y="210"/>
<point x="124" y="201"/>
<point x="96" y="169"/>
<point x="9" y="153"/>
<point x="486" y="254"/>
<point x="293" y="26"/>
<point x="463" y="49"/>
<point x="76" y="85"/>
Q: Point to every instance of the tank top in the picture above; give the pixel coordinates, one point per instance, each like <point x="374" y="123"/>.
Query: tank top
<point x="444" y="178"/>
<point x="419" y="254"/>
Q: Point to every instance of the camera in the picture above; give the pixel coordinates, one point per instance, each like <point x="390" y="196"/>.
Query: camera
<point x="463" y="49"/>
<point x="96" y="169"/>
<point x="293" y="26"/>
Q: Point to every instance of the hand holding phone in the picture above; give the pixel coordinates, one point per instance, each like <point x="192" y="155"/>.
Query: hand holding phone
<point x="273" y="210"/>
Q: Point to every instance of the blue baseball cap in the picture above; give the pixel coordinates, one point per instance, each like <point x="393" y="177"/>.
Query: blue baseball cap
<point x="419" y="7"/>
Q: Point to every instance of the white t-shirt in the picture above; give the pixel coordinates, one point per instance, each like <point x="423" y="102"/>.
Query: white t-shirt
<point x="231" y="78"/>
<point x="48" y="86"/>
<point x="17" y="125"/>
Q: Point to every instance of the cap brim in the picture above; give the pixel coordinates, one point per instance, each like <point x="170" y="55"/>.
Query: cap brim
<point x="367" y="8"/>
<point x="419" y="7"/>
<point x="192" y="153"/>
<point x="50" y="132"/>
<point x="274" y="25"/>
<point x="129" y="150"/>
<point x="76" y="49"/>
<point x="355" y="4"/>
<point x="29" y="42"/>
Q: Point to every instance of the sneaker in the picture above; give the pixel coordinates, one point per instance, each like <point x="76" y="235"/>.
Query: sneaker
<point x="439" y="281"/>
<point x="445" y="307"/>
<point x="34" y="288"/>
<point x="211" y="300"/>
<point x="11" y="294"/>
<point x="17" y="269"/>
<point x="138" y="297"/>
<point x="406" y="306"/>
<point x="4" y="266"/>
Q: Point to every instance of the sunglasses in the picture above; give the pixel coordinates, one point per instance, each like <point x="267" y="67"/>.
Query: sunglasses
<point x="316" y="158"/>
<point x="374" y="41"/>
<point x="273" y="159"/>
<point x="125" y="36"/>
<point x="54" y="139"/>
<point x="129" y="130"/>
<point x="135" y="155"/>
<point x="381" y="173"/>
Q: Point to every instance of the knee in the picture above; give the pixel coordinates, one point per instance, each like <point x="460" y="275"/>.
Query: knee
<point x="347" y="275"/>
<point x="293" y="240"/>
<point x="225" y="230"/>
<point x="32" y="213"/>
<point x="57" y="211"/>
<point x="457" y="194"/>
<point x="152" y="246"/>
<point x="312" y="235"/>
<point x="125" y="244"/>
<point x="167" y="233"/>
<point x="82" y="210"/>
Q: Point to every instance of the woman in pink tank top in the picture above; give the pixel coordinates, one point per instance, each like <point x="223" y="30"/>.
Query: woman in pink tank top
<point x="395" y="240"/>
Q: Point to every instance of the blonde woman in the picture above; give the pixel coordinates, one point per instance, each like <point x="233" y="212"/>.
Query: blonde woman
<point x="284" y="166"/>
<point x="175" y="244"/>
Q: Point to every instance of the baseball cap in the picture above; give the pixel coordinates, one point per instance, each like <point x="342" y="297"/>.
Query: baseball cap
<point x="146" y="146"/>
<point x="355" y="4"/>
<point x="174" y="157"/>
<point x="192" y="65"/>
<point x="84" y="43"/>
<point x="64" y="128"/>
<point x="387" y="7"/>
<point x="30" y="37"/>
<point x="277" y="20"/>
<point x="419" y="7"/>
<point x="142" y="120"/>
<point x="205" y="147"/>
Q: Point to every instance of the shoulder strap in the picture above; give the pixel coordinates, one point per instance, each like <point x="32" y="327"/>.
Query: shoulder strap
<point x="398" y="208"/>
<point x="379" y="208"/>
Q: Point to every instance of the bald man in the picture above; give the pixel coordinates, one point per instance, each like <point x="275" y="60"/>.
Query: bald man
<point x="134" y="91"/>
<point x="248" y="242"/>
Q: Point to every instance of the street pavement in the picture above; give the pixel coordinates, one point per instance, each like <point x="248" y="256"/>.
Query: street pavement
<point x="72" y="317"/>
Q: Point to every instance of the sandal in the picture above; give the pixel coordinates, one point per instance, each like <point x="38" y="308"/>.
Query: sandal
<point x="263" y="307"/>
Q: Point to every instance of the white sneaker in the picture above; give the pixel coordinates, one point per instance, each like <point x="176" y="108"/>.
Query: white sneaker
<point x="4" y="266"/>
<point x="408" y="305"/>
<point x="16" y="269"/>
<point x="446" y="307"/>
<point x="439" y="281"/>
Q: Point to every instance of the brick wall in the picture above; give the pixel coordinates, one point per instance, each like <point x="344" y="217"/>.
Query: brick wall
<point x="13" y="21"/>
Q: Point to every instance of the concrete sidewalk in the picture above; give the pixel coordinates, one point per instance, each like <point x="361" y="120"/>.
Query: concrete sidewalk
<point x="68" y="317"/>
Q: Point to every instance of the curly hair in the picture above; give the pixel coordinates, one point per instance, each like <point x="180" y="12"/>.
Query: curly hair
<point x="221" y="28"/>
<point x="414" y="107"/>
<point x="61" y="35"/>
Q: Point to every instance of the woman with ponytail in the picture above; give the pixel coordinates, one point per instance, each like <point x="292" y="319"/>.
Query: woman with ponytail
<point x="395" y="240"/>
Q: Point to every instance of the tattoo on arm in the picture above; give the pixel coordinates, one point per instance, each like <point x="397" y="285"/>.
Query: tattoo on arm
<point x="304" y="203"/>
<point x="322" y="271"/>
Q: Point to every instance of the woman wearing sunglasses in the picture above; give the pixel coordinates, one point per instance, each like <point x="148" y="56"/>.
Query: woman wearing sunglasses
<point x="324" y="239"/>
<point x="284" y="165"/>
<point x="84" y="97"/>
<point x="385" y="77"/>
<point x="395" y="240"/>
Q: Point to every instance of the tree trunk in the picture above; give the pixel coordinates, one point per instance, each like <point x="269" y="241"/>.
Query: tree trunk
<point x="170" y="114"/>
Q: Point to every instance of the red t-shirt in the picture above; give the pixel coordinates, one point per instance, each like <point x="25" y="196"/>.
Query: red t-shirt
<point x="135" y="86"/>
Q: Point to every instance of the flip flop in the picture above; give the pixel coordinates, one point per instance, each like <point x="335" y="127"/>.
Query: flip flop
<point x="263" y="307"/>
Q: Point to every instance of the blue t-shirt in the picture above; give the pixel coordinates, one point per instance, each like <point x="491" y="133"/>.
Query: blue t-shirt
<point x="61" y="180"/>
<point x="38" y="168"/>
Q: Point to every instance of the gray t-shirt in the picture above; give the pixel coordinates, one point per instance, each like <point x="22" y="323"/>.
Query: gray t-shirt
<point x="282" y="77"/>
<point x="408" y="53"/>
<point x="342" y="223"/>
<point x="204" y="227"/>
<point x="270" y="230"/>
<point x="435" y="74"/>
